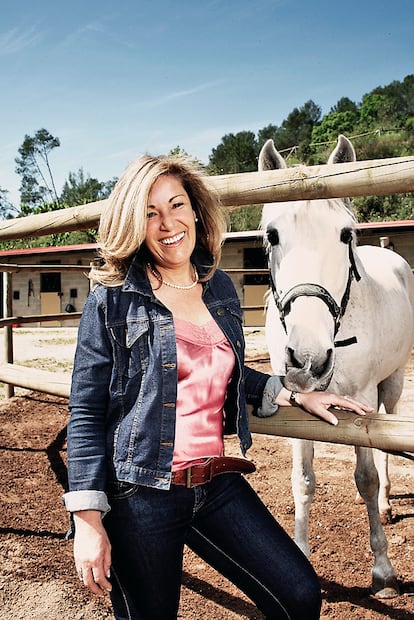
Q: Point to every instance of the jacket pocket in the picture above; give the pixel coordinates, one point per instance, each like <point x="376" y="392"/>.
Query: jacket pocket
<point x="121" y="490"/>
<point x="131" y="346"/>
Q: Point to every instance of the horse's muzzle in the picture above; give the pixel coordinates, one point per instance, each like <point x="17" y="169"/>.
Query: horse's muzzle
<point x="306" y="373"/>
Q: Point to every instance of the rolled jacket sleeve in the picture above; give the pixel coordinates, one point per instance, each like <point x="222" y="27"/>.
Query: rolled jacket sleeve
<point x="75" y="501"/>
<point x="272" y="388"/>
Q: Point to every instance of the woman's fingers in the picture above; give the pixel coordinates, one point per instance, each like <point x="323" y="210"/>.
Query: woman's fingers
<point x="320" y="403"/>
<point x="348" y="403"/>
<point x="95" y="579"/>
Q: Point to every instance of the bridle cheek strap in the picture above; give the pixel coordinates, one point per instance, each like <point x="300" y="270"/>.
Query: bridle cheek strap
<point x="284" y="303"/>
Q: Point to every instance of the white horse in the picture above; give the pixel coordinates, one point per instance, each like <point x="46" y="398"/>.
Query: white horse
<point x="340" y="317"/>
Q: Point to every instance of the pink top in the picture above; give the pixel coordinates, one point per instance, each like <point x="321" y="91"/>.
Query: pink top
<point x="205" y="365"/>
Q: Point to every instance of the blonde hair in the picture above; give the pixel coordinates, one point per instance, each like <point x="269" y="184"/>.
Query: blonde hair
<point x="123" y="223"/>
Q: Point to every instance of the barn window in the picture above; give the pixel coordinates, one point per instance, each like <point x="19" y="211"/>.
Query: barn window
<point x="50" y="281"/>
<point x="255" y="258"/>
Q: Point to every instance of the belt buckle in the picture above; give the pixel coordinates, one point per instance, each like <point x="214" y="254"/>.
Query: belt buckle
<point x="189" y="471"/>
<point x="188" y="477"/>
<point x="210" y="469"/>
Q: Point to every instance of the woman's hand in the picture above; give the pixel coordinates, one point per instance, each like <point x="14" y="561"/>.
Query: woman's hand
<point x="319" y="403"/>
<point x="92" y="551"/>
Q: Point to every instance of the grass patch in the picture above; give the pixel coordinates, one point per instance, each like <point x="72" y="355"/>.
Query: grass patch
<point x="57" y="341"/>
<point x="48" y="363"/>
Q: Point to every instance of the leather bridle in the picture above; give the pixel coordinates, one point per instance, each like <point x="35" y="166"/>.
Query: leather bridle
<point x="284" y="303"/>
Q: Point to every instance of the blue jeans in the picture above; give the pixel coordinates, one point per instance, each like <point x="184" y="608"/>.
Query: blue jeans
<point x="228" y="526"/>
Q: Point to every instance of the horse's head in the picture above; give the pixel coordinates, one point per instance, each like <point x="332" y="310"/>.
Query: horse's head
<point x="311" y="259"/>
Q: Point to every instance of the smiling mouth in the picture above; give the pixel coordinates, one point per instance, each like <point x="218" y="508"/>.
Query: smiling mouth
<point x="172" y="240"/>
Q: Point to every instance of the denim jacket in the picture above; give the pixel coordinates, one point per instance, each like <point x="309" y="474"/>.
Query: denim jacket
<point x="124" y="387"/>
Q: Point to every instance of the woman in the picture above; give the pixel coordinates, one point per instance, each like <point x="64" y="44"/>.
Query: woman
<point x="159" y="378"/>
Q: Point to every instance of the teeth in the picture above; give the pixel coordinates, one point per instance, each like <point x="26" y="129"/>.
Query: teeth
<point x="171" y="240"/>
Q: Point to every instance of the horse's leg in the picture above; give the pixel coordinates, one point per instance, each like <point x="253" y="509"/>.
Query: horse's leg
<point x="384" y="579"/>
<point x="384" y="506"/>
<point x="389" y="392"/>
<point x="303" y="488"/>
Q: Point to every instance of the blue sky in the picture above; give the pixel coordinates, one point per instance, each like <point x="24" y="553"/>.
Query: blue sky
<point x="115" y="79"/>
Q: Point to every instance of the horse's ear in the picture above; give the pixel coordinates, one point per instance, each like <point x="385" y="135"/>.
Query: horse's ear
<point x="343" y="152"/>
<point x="270" y="158"/>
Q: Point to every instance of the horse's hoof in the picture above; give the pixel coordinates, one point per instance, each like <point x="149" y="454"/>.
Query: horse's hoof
<point x="387" y="593"/>
<point x="385" y="588"/>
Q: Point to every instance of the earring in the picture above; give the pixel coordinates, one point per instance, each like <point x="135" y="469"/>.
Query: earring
<point x="195" y="218"/>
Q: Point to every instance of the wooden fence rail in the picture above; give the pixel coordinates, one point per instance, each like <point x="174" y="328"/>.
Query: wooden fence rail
<point x="394" y="433"/>
<point x="38" y="318"/>
<point x="363" y="178"/>
<point x="56" y="383"/>
<point x="386" y="432"/>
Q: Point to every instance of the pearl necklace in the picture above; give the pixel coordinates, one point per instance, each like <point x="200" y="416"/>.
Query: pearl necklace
<point x="180" y="287"/>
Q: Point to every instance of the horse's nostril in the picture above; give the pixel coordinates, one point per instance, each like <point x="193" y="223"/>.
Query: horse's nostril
<point x="292" y="359"/>
<point x="322" y="364"/>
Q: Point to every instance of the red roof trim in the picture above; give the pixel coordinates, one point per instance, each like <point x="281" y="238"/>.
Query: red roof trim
<point x="86" y="247"/>
<point x="393" y="224"/>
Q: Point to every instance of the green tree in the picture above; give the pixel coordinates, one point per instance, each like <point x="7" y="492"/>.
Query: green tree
<point x="33" y="165"/>
<point x="332" y="125"/>
<point x="399" y="100"/>
<point x="384" y="208"/>
<point x="245" y="217"/>
<point x="81" y="188"/>
<point x="296" y="129"/>
<point x="381" y="144"/>
<point x="374" y="111"/>
<point x="177" y="150"/>
<point x="7" y="209"/>
<point x="345" y="105"/>
<point x="270" y="132"/>
<point x="236" y="153"/>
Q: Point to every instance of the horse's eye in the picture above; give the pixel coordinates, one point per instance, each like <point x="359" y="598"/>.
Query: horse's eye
<point x="346" y="235"/>
<point x="272" y="236"/>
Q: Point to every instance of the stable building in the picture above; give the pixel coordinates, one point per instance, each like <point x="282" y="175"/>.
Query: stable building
<point x="65" y="288"/>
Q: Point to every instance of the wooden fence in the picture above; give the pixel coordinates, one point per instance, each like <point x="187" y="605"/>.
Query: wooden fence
<point x="374" y="177"/>
<point x="363" y="178"/>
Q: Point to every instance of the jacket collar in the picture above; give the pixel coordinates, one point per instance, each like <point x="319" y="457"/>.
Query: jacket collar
<point x="137" y="279"/>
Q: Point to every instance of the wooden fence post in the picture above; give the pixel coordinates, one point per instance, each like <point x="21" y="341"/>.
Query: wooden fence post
<point x="8" y="330"/>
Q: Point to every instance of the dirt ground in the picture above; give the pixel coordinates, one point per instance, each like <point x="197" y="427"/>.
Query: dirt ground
<point x="37" y="578"/>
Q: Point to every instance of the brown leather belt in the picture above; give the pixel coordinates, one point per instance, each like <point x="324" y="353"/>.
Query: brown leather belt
<point x="204" y="472"/>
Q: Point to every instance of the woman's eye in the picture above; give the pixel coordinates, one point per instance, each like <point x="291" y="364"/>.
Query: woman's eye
<point x="151" y="214"/>
<point x="176" y="205"/>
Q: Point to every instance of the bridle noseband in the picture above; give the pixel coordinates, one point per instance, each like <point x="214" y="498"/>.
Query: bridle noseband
<point x="284" y="303"/>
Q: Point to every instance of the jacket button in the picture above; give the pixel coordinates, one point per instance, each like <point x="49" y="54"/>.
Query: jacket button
<point x="220" y="312"/>
<point x="238" y="344"/>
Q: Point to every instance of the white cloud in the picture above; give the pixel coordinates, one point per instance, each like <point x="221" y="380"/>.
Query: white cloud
<point x="97" y="27"/>
<point x="179" y="94"/>
<point x="14" y="40"/>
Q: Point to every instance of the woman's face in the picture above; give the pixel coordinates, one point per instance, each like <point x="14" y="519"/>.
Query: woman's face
<point x="171" y="231"/>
